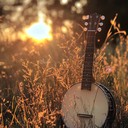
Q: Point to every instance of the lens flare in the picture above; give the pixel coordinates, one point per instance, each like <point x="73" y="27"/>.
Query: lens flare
<point x="39" y="31"/>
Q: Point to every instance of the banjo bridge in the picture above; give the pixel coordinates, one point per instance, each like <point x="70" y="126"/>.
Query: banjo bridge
<point x="85" y="116"/>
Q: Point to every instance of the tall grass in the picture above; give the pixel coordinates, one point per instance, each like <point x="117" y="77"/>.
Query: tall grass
<point x="34" y="79"/>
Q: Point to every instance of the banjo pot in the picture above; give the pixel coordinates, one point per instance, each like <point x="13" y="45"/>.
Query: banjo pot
<point x="89" y="104"/>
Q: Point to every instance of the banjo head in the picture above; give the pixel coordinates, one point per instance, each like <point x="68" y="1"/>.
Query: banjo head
<point x="84" y="108"/>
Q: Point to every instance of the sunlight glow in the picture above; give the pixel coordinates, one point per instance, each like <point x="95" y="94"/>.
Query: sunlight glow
<point x="39" y="31"/>
<point x="63" y="2"/>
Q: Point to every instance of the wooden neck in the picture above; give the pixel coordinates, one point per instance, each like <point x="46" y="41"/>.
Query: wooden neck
<point x="87" y="77"/>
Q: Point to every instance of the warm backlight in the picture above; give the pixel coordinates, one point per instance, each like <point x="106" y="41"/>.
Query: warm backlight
<point x="39" y="31"/>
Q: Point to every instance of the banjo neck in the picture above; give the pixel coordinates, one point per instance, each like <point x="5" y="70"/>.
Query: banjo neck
<point x="87" y="77"/>
<point x="93" y="21"/>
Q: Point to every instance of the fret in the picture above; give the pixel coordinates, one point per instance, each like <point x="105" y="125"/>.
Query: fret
<point x="88" y="58"/>
<point x="88" y="63"/>
<point x="88" y="66"/>
<point x="87" y="76"/>
<point x="86" y="82"/>
<point x="89" y="50"/>
<point x="88" y="53"/>
<point x="90" y="43"/>
<point x="87" y="79"/>
<point x="87" y="73"/>
<point x="88" y="70"/>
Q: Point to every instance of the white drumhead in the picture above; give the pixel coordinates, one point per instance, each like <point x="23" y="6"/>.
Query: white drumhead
<point x="77" y="101"/>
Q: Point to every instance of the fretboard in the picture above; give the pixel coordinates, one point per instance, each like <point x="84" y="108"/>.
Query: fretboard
<point x="87" y="77"/>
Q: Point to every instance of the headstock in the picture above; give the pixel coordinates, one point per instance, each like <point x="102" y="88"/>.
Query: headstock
<point x="93" y="22"/>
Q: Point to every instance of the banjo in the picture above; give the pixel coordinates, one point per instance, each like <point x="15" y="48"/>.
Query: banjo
<point x="89" y="104"/>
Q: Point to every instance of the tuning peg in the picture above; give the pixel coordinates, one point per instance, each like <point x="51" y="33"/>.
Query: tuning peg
<point x="99" y="29"/>
<point x="102" y="17"/>
<point x="85" y="17"/>
<point x="86" y="23"/>
<point x="101" y="23"/>
<point x="85" y="29"/>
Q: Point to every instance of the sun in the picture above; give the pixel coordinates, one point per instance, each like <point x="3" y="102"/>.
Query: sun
<point x="39" y="31"/>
